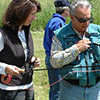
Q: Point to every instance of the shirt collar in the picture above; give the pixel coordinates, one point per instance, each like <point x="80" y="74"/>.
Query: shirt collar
<point x="79" y="35"/>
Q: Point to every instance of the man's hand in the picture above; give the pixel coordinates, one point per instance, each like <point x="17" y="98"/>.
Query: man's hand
<point x="83" y="45"/>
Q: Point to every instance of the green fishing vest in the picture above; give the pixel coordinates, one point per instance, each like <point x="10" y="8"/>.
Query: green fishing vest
<point x="88" y="58"/>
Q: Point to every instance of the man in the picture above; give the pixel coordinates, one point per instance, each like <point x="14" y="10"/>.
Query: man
<point x="57" y="21"/>
<point x="75" y="49"/>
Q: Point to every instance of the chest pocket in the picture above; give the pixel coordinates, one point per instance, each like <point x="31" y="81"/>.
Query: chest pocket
<point x="68" y="41"/>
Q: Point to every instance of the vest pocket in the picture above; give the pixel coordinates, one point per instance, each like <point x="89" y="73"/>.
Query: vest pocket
<point x="72" y="71"/>
<point x="68" y="42"/>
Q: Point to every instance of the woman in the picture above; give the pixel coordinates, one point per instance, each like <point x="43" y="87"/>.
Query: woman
<point x="16" y="52"/>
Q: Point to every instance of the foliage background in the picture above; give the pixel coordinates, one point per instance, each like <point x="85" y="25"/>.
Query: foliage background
<point x="40" y="78"/>
<point x="47" y="10"/>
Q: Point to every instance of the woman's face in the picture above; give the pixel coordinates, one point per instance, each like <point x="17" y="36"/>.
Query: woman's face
<point x="31" y="17"/>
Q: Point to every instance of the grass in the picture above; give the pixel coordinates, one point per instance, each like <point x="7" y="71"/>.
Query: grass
<point x="40" y="78"/>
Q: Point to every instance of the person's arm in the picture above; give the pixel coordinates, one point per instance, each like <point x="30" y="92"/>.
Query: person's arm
<point x="5" y="68"/>
<point x="2" y="65"/>
<point x="2" y="68"/>
<point x="1" y="42"/>
<point x="60" y="57"/>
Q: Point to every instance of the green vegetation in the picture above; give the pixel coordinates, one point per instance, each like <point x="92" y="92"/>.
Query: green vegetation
<point x="3" y="6"/>
<point x="47" y="10"/>
<point x="44" y="15"/>
<point x="41" y="86"/>
<point x="40" y="79"/>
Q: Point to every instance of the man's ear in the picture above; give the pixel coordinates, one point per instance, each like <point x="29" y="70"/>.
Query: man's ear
<point x="66" y="11"/>
<point x="71" y="16"/>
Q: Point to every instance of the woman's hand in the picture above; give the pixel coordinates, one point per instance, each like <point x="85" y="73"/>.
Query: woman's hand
<point x="37" y="62"/>
<point x="10" y="71"/>
<point x="13" y="70"/>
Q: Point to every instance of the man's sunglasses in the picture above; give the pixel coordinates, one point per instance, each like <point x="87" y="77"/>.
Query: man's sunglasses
<point x="83" y="20"/>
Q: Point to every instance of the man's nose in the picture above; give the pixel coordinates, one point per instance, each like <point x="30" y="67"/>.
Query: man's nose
<point x="86" y="23"/>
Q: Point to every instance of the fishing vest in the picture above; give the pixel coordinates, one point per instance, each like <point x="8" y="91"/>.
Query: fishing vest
<point x="13" y="54"/>
<point x="86" y="59"/>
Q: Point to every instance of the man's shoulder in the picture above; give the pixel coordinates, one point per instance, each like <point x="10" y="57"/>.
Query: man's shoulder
<point x="61" y="30"/>
<point x="91" y="25"/>
<point x="94" y="28"/>
<point x="64" y="29"/>
<point x="55" y="20"/>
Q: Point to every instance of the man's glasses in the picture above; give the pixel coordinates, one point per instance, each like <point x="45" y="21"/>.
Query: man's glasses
<point x="83" y="20"/>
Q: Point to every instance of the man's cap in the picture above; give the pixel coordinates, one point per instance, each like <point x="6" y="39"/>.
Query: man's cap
<point x="61" y="3"/>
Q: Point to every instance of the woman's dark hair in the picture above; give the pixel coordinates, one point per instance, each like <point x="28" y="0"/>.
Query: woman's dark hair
<point x="18" y="11"/>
